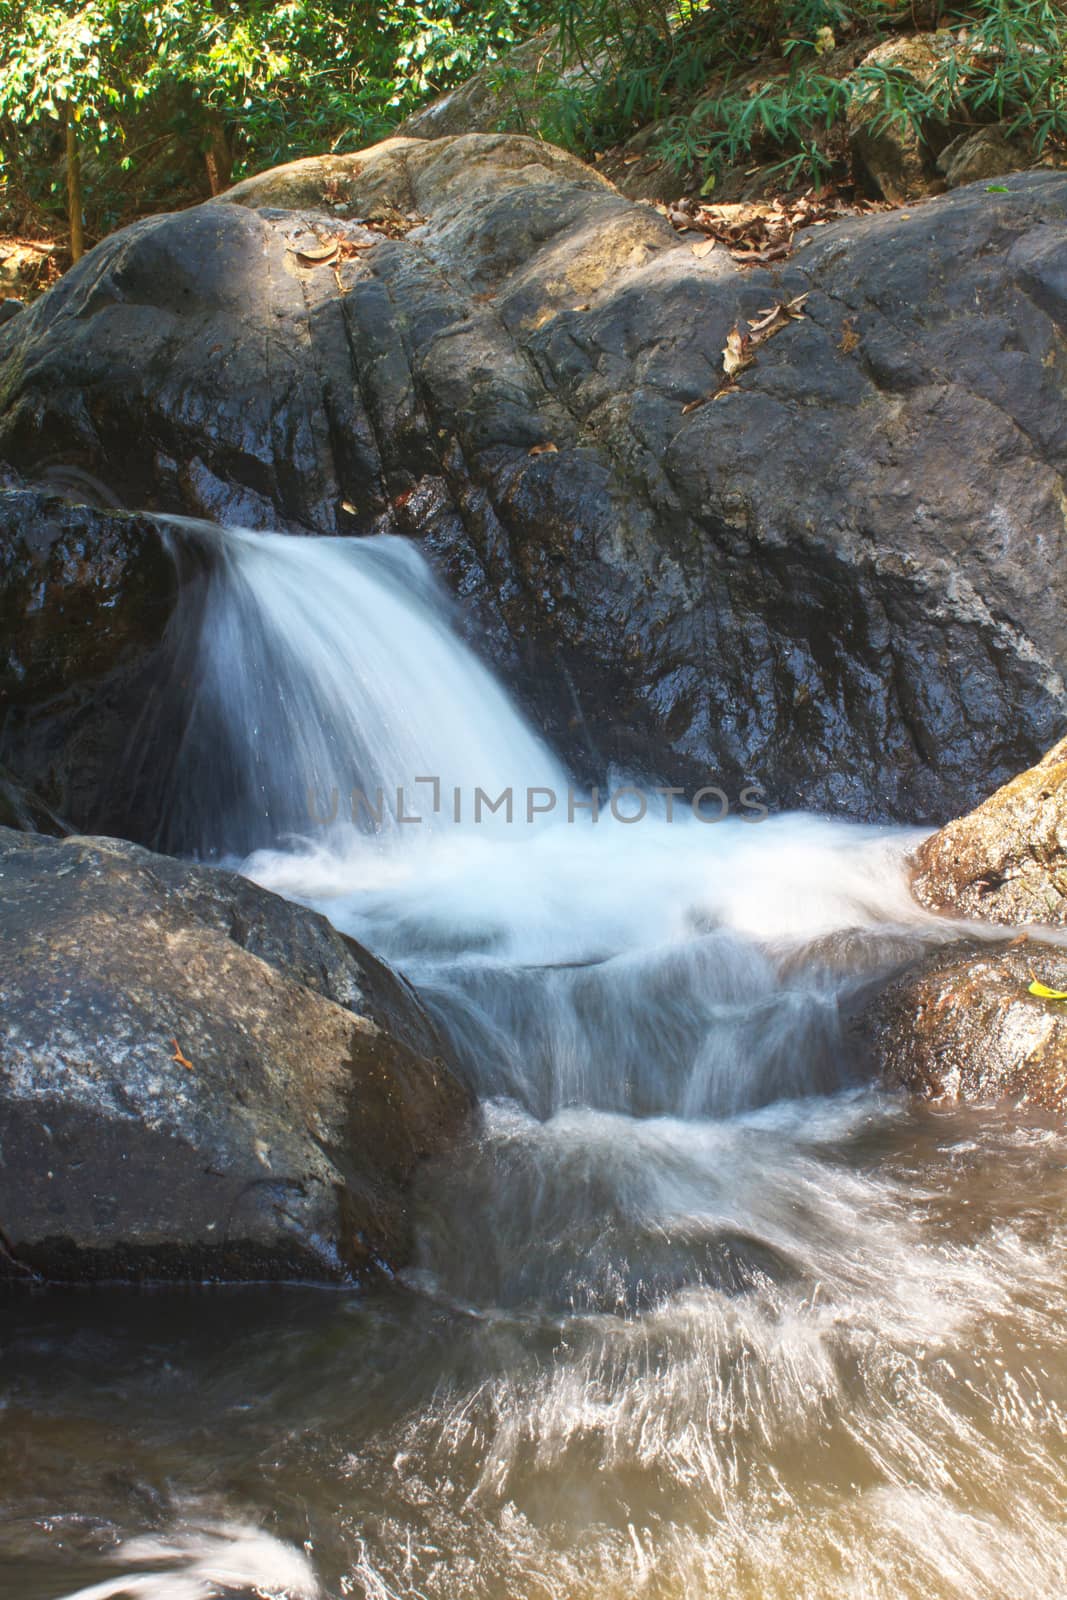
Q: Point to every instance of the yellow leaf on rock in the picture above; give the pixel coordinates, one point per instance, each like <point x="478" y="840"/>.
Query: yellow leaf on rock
<point x="1043" y="991"/>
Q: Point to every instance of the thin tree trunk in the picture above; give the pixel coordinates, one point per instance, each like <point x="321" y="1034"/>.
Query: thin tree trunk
<point x="218" y="157"/>
<point x="74" y="191"/>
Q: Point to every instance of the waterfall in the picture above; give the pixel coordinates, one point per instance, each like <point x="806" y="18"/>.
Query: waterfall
<point x="573" y="958"/>
<point x="695" y="1309"/>
<point x="319" y="670"/>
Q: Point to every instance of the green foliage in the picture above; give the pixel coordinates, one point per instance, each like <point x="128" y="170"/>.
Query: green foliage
<point x="249" y="82"/>
<point x="162" y="93"/>
<point x="734" y="81"/>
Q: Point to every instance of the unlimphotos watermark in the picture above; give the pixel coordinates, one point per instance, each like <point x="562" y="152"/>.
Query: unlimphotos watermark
<point x="409" y="804"/>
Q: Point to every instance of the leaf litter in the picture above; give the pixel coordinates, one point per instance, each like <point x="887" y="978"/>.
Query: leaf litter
<point x="739" y="352"/>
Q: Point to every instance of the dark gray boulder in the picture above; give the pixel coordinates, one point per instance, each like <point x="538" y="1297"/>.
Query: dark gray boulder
<point x="845" y="579"/>
<point x="85" y="599"/>
<point x="21" y="808"/>
<point x="199" y="1080"/>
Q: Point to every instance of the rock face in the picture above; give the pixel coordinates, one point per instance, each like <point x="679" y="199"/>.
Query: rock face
<point x="21" y="808"/>
<point x="962" y="1026"/>
<point x="198" y="1079"/>
<point x="896" y="159"/>
<point x="844" y="580"/>
<point x="85" y="597"/>
<point x="1007" y="861"/>
<point x="981" y="153"/>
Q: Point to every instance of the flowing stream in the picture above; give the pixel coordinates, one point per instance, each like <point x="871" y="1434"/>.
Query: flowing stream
<point x="697" y="1310"/>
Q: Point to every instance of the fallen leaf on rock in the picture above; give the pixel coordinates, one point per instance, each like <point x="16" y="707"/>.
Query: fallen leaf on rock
<point x="1043" y="992"/>
<point x="183" y="1061"/>
<point x="703" y="248"/>
<point x="758" y="232"/>
<point x="317" y="255"/>
<point x="755" y="258"/>
<point x="766" y="323"/>
<point x="849" y="337"/>
<point x="776" y="317"/>
<point x="737" y="353"/>
<point x="545" y="449"/>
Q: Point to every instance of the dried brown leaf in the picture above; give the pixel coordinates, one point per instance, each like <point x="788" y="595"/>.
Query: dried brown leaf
<point x="317" y="255"/>
<point x="737" y="353"/>
<point x="182" y="1060"/>
<point x="849" y="337"/>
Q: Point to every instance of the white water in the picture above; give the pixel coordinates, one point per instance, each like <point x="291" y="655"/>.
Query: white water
<point x="200" y="1560"/>
<point x="722" y="1319"/>
<point x="323" y="666"/>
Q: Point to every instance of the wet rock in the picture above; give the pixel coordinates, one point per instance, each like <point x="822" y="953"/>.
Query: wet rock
<point x="845" y="580"/>
<point x="1007" y="860"/>
<point x="22" y="809"/>
<point x="199" y="1079"/>
<point x="896" y="158"/>
<point x="981" y="153"/>
<point x="962" y="1026"/>
<point x="85" y="597"/>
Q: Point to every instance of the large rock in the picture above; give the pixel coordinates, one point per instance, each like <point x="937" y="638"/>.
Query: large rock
<point x="963" y="1026"/>
<point x="199" y="1079"/>
<point x="845" y="579"/>
<point x="1007" y="861"/>
<point x="981" y="153"/>
<point x="85" y="598"/>
<point x="895" y="155"/>
<point x="512" y="94"/>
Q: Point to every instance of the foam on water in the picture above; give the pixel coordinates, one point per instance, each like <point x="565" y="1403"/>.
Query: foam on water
<point x="198" y="1562"/>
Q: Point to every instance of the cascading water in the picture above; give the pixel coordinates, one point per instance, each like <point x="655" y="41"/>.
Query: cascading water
<point x="698" y="1311"/>
<point x="322" y="676"/>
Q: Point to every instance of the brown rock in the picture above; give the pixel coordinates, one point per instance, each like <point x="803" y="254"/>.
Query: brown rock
<point x="1006" y="861"/>
<point x="981" y="153"/>
<point x="894" y="155"/>
<point x="962" y="1026"/>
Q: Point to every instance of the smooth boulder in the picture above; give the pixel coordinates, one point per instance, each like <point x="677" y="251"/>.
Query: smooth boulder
<point x="1007" y="860"/>
<point x="963" y="1024"/>
<point x="843" y="579"/>
<point x="198" y="1079"/>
